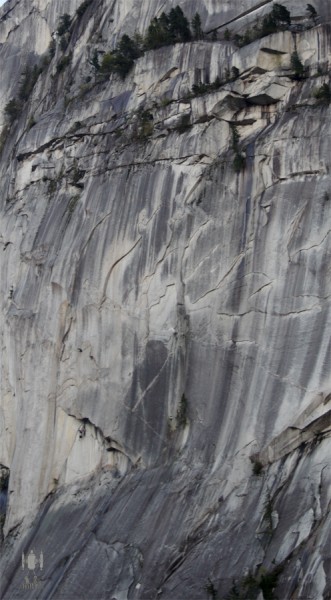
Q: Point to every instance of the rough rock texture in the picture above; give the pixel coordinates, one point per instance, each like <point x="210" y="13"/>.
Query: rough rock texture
<point x="165" y="322"/>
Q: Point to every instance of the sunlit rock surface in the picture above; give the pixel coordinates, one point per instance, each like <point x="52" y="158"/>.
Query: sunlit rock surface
<point x="165" y="323"/>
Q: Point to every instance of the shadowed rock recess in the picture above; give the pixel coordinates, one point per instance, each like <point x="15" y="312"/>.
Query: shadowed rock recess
<point x="165" y="304"/>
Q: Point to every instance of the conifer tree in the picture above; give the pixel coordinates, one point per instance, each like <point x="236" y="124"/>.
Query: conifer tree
<point x="157" y="35"/>
<point x="179" y="25"/>
<point x="281" y="14"/>
<point x="64" y="24"/>
<point x="312" y="12"/>
<point x="196" y="26"/>
<point x="297" y="66"/>
<point x="127" y="47"/>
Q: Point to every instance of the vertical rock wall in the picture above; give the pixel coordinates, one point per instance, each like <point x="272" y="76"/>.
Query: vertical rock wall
<point x="165" y="338"/>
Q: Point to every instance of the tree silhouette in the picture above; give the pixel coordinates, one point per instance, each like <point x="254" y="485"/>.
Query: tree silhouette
<point x="281" y="14"/>
<point x="179" y="25"/>
<point x="64" y="24"/>
<point x="312" y="12"/>
<point x="121" y="60"/>
<point x="196" y="26"/>
<point x="297" y="66"/>
<point x="158" y="33"/>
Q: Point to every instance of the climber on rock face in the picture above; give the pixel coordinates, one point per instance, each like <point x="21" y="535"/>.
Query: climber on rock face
<point x="82" y="431"/>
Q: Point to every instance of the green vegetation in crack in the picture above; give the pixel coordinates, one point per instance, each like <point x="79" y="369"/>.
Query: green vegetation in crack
<point x="145" y="125"/>
<point x="51" y="49"/>
<point x="29" y="77"/>
<point x="299" y="71"/>
<point x="267" y="515"/>
<point x="199" y="89"/>
<point x="4" y="482"/>
<point x="63" y="63"/>
<point x="12" y="110"/>
<point x="312" y="13"/>
<point x="257" y="466"/>
<point x="165" y="30"/>
<point x="279" y="19"/>
<point x="64" y="24"/>
<point x="170" y="28"/>
<point x="4" y="136"/>
<point x="72" y="205"/>
<point x="323" y="94"/>
<point x="181" y="420"/>
<point x="77" y="175"/>
<point x="184" y="124"/>
<point x="31" y="122"/>
<point x="197" y="28"/>
<point x="83" y="7"/>
<point x="52" y="187"/>
<point x="210" y="589"/>
<point x="239" y="161"/>
<point x="182" y="413"/>
<point x="121" y="60"/>
<point x="255" y="582"/>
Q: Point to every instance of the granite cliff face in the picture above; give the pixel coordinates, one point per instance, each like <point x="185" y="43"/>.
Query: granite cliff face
<point x="165" y="323"/>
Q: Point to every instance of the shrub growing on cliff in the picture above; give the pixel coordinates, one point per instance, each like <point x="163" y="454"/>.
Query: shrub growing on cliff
<point x="64" y="42"/>
<point x="281" y="14"/>
<point x="64" y="24"/>
<point x="51" y="49"/>
<point x="128" y="47"/>
<point x="312" y="12"/>
<point x="257" y="465"/>
<point x="227" y="35"/>
<point x="63" y="63"/>
<point x="13" y="109"/>
<point x="94" y="60"/>
<point x="184" y="124"/>
<point x="199" y="89"/>
<point x="4" y="478"/>
<point x="29" y="79"/>
<point x="83" y="7"/>
<point x="31" y="122"/>
<point x="323" y="94"/>
<point x="268" y="582"/>
<point x="114" y="62"/>
<point x="297" y="66"/>
<point x="181" y="416"/>
<point x="239" y="161"/>
<point x="267" y="515"/>
<point x="211" y="590"/>
<point x="234" y="73"/>
<point x="121" y="60"/>
<point x="251" y="584"/>
<point x="145" y="126"/>
<point x="4" y="136"/>
<point x="72" y="205"/>
<point x="106" y="63"/>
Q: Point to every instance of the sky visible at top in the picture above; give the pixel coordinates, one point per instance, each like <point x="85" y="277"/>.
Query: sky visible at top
<point x="2" y="2"/>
